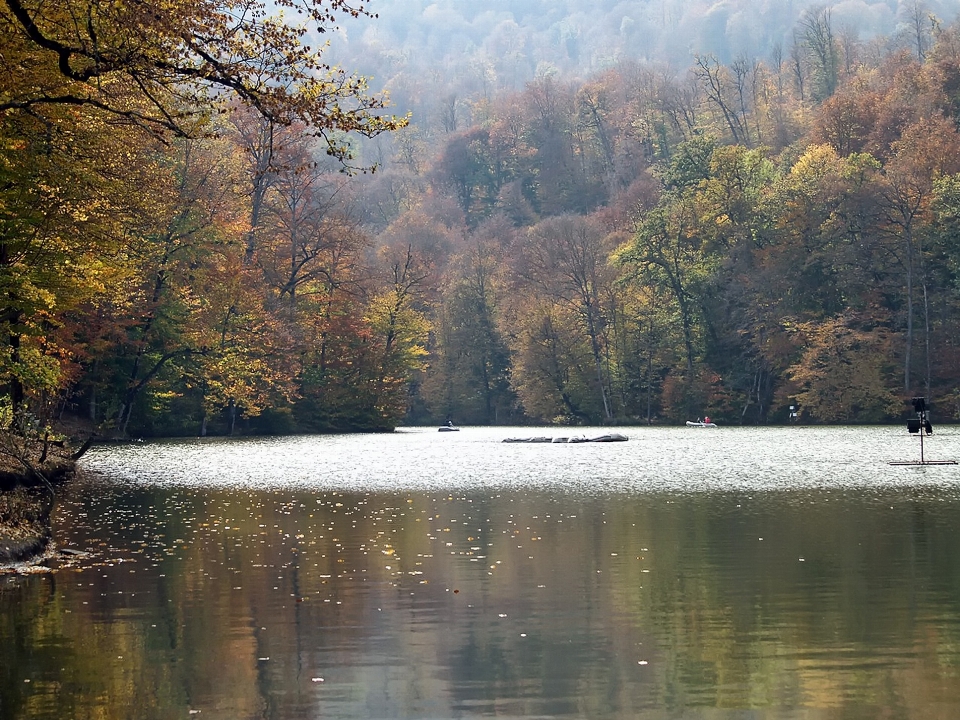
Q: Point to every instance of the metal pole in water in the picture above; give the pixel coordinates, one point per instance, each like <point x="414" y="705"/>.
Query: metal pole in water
<point x="921" y="426"/>
<point x="923" y="429"/>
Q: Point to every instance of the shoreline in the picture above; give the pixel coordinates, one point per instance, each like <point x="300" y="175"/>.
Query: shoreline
<point x="27" y="496"/>
<point x="21" y="551"/>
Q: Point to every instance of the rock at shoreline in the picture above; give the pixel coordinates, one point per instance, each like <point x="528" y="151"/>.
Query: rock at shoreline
<point x="26" y="500"/>
<point x="24" y="525"/>
<point x="25" y="548"/>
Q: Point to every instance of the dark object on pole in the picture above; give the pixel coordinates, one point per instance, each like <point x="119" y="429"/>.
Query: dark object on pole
<point x="920" y="425"/>
<point x="921" y="422"/>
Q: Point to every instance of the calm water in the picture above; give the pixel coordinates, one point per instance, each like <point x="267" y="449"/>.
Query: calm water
<point x="722" y="574"/>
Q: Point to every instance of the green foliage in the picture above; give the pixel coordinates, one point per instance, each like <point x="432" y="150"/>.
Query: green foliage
<point x="690" y="164"/>
<point x="552" y="368"/>
<point x="471" y="362"/>
<point x="946" y="208"/>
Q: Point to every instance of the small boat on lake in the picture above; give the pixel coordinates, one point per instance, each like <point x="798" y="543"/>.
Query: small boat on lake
<point x="448" y="428"/>
<point x="699" y="424"/>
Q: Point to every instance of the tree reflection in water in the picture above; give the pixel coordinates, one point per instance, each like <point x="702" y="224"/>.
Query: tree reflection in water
<point x="833" y="602"/>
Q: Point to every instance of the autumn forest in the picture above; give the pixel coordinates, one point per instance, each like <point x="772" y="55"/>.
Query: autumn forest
<point x="208" y="227"/>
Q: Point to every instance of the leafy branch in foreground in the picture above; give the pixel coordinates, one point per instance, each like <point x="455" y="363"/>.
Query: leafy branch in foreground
<point x="161" y="65"/>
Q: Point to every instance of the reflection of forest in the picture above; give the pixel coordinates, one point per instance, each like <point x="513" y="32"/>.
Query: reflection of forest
<point x="287" y="606"/>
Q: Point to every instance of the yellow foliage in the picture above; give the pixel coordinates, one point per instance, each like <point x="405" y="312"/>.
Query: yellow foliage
<point x="844" y="372"/>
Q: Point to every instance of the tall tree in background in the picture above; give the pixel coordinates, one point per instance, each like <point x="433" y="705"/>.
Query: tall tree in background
<point x="470" y="373"/>
<point x="928" y="149"/>
<point x="398" y="333"/>
<point x="565" y="261"/>
<point x="842" y="372"/>
<point x="724" y="89"/>
<point x="189" y="226"/>
<point x="669" y="251"/>
<point x="822" y="52"/>
<point x="920" y="24"/>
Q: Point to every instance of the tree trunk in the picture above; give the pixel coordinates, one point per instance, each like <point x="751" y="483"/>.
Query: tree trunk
<point x="598" y="360"/>
<point x="909" y="339"/>
<point x="17" y="393"/>
<point x="926" y="337"/>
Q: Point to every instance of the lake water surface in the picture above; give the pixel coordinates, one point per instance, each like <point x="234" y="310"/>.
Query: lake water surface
<point x="688" y="573"/>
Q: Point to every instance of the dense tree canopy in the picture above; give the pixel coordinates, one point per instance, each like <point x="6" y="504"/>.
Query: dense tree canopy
<point x="149" y="249"/>
<point x="181" y="251"/>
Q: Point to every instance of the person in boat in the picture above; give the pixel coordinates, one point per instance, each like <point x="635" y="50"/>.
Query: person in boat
<point x="449" y="422"/>
<point x="706" y="420"/>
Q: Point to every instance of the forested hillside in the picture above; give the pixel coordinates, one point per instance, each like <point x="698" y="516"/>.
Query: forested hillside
<point x="511" y="41"/>
<point x="430" y="55"/>
<point x="584" y="242"/>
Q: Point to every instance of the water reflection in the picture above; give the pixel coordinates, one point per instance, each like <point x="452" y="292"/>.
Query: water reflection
<point x="675" y="575"/>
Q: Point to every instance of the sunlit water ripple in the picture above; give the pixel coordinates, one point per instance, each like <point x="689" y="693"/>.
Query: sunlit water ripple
<point x="653" y="460"/>
<point x="708" y="574"/>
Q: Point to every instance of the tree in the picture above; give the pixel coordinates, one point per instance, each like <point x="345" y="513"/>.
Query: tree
<point x="816" y="34"/>
<point x="927" y="149"/>
<point x="555" y="167"/>
<point x="668" y="251"/>
<point x="919" y="24"/>
<point x="843" y="373"/>
<point x="249" y="363"/>
<point x="593" y="106"/>
<point x="469" y="371"/>
<point x="127" y="100"/>
<point x="552" y="364"/>
<point x="308" y="229"/>
<point x="398" y="331"/>
<point x="565" y="260"/>
<point x="467" y="167"/>
<point x="846" y="121"/>
<point x="65" y="202"/>
<point x="172" y="259"/>
<point x="811" y="248"/>
<point x="716" y="81"/>
<point x="162" y="67"/>
<point x="648" y="343"/>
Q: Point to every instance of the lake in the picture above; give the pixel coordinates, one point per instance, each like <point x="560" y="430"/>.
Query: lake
<point x="721" y="574"/>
